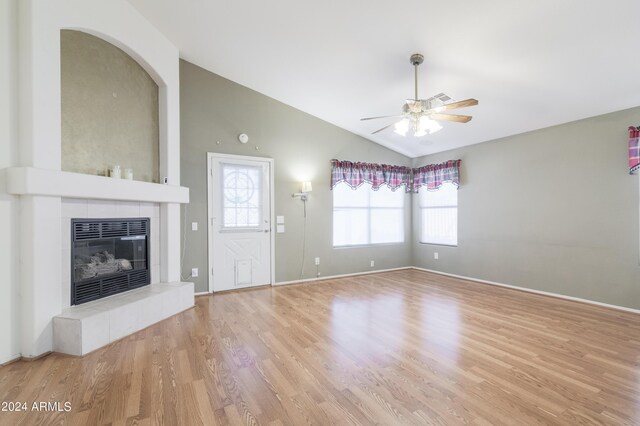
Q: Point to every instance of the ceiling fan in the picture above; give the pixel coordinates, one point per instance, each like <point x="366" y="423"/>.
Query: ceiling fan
<point x="422" y="115"/>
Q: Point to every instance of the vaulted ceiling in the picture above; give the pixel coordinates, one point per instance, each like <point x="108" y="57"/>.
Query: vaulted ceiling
<point x="530" y="64"/>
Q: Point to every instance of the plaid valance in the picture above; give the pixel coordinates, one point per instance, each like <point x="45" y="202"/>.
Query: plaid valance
<point x="355" y="174"/>
<point x="433" y="175"/>
<point x="634" y="150"/>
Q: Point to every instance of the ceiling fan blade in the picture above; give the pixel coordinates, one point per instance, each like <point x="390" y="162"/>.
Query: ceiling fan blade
<point x="451" y="117"/>
<point x="382" y="116"/>
<point x="384" y="128"/>
<point x="459" y="104"/>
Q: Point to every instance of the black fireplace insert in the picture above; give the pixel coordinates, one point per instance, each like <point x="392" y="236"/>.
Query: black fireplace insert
<point x="108" y="256"/>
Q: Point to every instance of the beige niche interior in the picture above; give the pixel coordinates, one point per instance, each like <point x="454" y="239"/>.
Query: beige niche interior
<point x="109" y="109"/>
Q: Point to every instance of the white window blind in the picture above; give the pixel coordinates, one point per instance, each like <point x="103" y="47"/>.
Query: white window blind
<point x="362" y="216"/>
<point x="439" y="215"/>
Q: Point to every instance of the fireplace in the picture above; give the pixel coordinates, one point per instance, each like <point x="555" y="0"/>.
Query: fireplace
<point x="108" y="256"/>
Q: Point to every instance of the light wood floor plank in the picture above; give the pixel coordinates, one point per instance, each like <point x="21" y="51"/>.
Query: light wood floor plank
<point x="403" y="347"/>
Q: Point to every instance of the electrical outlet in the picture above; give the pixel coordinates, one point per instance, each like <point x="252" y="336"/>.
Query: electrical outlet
<point x="194" y="226"/>
<point x="317" y="261"/>
<point x="373" y="263"/>
<point x="435" y="255"/>
<point x="194" y="272"/>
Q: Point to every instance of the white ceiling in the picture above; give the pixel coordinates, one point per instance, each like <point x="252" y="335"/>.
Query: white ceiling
<point x="530" y="64"/>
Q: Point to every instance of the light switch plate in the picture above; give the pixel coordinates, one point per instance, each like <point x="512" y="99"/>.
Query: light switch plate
<point x="280" y="229"/>
<point x="194" y="226"/>
<point x="280" y="219"/>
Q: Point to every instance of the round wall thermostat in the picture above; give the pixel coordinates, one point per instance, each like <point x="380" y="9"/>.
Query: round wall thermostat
<point x="243" y="138"/>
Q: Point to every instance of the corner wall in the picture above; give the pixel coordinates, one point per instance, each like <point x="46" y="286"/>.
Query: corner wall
<point x="552" y="210"/>
<point x="215" y="109"/>
<point x="9" y="211"/>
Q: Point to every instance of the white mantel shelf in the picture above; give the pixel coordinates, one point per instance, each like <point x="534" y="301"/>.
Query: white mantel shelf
<point x="32" y="181"/>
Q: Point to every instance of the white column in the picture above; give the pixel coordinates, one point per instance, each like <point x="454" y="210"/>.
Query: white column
<point x="40" y="146"/>
<point x="169" y="118"/>
<point x="40" y="272"/>
<point x="170" y="242"/>
<point x="9" y="205"/>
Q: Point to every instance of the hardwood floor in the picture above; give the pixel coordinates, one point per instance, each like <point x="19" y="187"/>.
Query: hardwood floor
<point x="404" y="347"/>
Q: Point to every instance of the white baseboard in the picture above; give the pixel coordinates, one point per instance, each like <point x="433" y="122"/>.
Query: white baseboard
<point x="477" y="280"/>
<point x="330" y="277"/>
<point x="529" y="290"/>
<point x="10" y="359"/>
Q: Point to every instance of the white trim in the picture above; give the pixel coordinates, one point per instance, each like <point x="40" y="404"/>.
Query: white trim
<point x="209" y="228"/>
<point x="331" y="277"/>
<point x="272" y="219"/>
<point x="12" y="358"/>
<point x="201" y="293"/>
<point x="462" y="277"/>
<point x="529" y="290"/>
<point x="272" y="210"/>
<point x="33" y="181"/>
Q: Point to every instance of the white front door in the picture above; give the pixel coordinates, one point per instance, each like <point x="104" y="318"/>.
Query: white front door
<point x="240" y="238"/>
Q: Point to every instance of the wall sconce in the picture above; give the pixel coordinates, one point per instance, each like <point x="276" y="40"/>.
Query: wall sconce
<point x="303" y="194"/>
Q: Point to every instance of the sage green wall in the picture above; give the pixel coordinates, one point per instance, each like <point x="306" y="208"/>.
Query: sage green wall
<point x="215" y="109"/>
<point x="552" y="210"/>
<point x="109" y="109"/>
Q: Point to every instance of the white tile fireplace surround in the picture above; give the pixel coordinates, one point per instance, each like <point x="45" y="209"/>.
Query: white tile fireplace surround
<point x="78" y="330"/>
<point x="84" y="328"/>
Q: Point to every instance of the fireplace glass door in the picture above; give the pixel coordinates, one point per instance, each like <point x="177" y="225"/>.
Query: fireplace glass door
<point x="108" y="257"/>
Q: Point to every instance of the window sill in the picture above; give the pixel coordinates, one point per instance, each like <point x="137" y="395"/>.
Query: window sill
<point x="438" y="244"/>
<point x="368" y="245"/>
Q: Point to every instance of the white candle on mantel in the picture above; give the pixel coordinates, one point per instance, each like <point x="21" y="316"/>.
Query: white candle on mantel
<point x="128" y="174"/>
<point x="116" y="173"/>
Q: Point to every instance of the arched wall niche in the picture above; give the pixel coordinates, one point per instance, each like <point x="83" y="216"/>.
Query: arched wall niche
<point x="109" y="108"/>
<point x="125" y="48"/>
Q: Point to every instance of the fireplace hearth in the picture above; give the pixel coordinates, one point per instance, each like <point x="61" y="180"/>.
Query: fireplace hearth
<point x="108" y="256"/>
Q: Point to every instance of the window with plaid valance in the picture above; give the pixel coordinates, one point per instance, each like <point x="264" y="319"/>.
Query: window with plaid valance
<point x="434" y="175"/>
<point x="634" y="149"/>
<point x="355" y="174"/>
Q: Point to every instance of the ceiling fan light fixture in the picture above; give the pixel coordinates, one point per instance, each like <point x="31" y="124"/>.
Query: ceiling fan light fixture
<point x="402" y="127"/>
<point x="428" y="125"/>
<point x="421" y="116"/>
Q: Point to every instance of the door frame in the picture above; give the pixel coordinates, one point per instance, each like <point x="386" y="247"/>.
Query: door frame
<point x="210" y="206"/>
